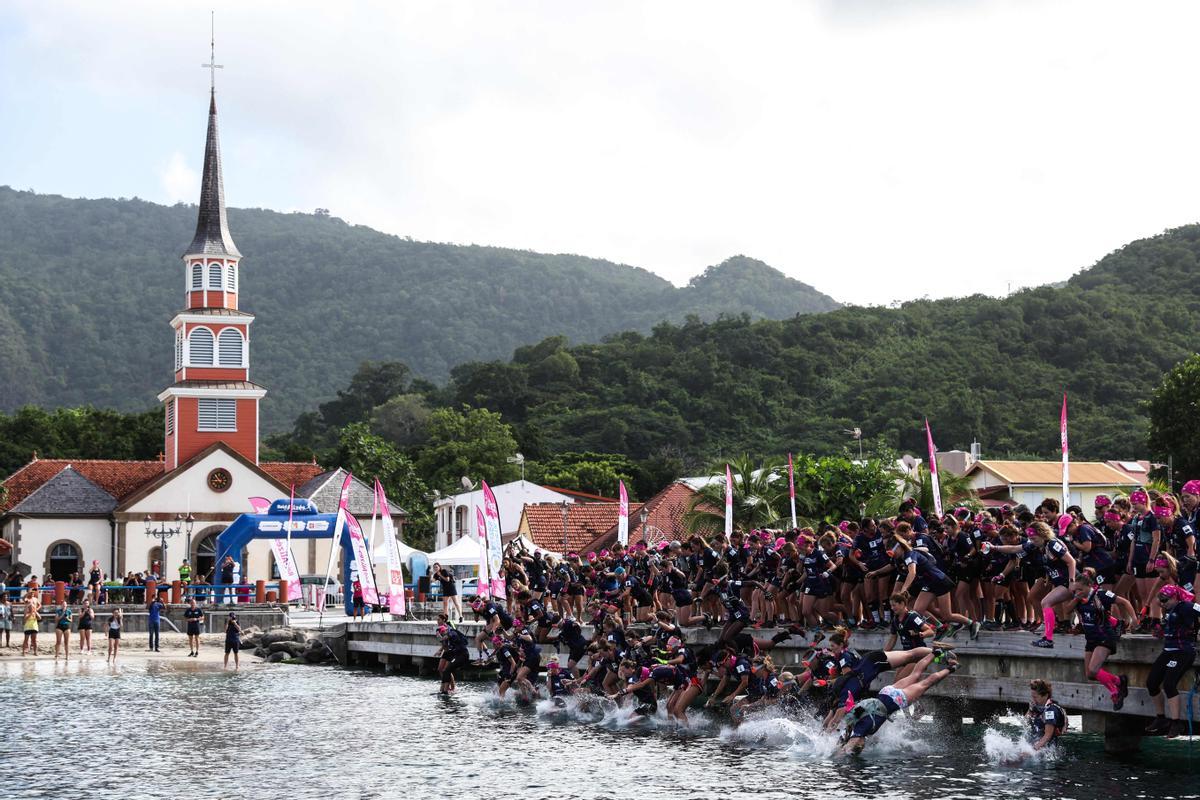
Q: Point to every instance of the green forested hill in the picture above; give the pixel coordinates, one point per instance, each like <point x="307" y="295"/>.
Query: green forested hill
<point x="977" y="366"/>
<point x="87" y="288"/>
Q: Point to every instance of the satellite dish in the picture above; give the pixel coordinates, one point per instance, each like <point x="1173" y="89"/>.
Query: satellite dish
<point x="909" y="462"/>
<point x="466" y="483"/>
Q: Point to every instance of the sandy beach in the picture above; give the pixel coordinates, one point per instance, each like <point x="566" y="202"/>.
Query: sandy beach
<point x="172" y="647"/>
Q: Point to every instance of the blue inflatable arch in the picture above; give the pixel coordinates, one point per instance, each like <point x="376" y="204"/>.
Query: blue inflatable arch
<point x="307" y="523"/>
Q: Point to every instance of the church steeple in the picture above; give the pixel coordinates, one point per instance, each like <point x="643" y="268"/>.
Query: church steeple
<point x="212" y="226"/>
<point x="212" y="399"/>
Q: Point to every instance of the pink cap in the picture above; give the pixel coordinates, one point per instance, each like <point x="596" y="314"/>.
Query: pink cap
<point x="1177" y="592"/>
<point x="1112" y="516"/>
<point x="780" y="542"/>
<point x="1064" y="522"/>
<point x="1192" y="487"/>
<point x="1102" y="501"/>
<point x="663" y="545"/>
<point x="604" y="554"/>
<point x="844" y="526"/>
<point x="1138" y="496"/>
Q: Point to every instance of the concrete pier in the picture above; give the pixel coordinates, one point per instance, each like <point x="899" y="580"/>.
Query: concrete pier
<point x="993" y="676"/>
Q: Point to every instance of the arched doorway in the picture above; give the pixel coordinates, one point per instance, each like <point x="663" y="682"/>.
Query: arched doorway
<point x="204" y="555"/>
<point x="154" y="559"/>
<point x="62" y="560"/>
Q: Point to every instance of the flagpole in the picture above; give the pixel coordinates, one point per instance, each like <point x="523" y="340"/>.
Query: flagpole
<point x="1066" y="465"/>
<point x="792" y="489"/>
<point x="291" y="503"/>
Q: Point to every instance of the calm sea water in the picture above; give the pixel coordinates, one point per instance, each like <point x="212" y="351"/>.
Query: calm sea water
<point x="155" y="730"/>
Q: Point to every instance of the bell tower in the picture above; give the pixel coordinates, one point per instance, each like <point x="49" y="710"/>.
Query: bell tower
<point x="212" y="399"/>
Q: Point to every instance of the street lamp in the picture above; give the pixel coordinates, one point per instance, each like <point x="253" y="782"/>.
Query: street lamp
<point x="564" y="507"/>
<point x="856" y="433"/>
<point x="163" y="532"/>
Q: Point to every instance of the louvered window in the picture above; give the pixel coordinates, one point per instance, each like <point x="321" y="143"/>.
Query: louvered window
<point x="229" y="345"/>
<point x="231" y="278"/>
<point x="217" y="414"/>
<point x="179" y="349"/>
<point x="197" y="276"/>
<point x="170" y="417"/>
<point x="214" y="276"/>
<point x="200" y="347"/>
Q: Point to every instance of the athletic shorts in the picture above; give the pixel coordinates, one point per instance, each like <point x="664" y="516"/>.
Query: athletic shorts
<point x="1109" y="644"/>
<point x="193" y="629"/>
<point x="232" y="646"/>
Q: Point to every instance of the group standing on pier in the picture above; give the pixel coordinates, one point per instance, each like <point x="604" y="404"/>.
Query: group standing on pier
<point x="1130" y="568"/>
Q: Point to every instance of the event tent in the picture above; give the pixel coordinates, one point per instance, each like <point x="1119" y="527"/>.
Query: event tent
<point x="379" y="554"/>
<point x="464" y="552"/>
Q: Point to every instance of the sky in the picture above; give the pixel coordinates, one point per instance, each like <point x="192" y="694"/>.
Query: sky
<point x="880" y="150"/>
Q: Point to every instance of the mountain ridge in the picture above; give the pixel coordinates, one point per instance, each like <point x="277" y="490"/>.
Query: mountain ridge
<point x="88" y="323"/>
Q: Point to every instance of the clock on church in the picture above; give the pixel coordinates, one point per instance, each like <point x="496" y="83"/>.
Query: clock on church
<point x="219" y="479"/>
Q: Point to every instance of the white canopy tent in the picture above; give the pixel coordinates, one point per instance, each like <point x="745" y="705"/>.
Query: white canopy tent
<point x="464" y="552"/>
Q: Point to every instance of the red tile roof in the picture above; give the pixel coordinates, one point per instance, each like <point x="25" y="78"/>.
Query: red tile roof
<point x="291" y="472"/>
<point x="664" y="512"/>
<point x="122" y="478"/>
<point x="118" y="478"/>
<point x="592" y="498"/>
<point x="585" y="521"/>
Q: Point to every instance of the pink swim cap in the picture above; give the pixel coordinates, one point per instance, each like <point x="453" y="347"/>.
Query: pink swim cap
<point x="1064" y="522"/>
<point x="780" y="542"/>
<point x="497" y="640"/>
<point x="1102" y="501"/>
<point x="1164" y="511"/>
<point x="1112" y="516"/>
<point x="1138" y="496"/>
<point x="1192" y="487"/>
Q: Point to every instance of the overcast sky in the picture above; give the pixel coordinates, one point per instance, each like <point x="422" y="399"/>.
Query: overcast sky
<point x="880" y="150"/>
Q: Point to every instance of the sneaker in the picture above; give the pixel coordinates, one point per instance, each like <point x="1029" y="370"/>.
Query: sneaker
<point x="1158" y="726"/>
<point x="946" y="656"/>
<point x="708" y="622"/>
<point x="991" y="626"/>
<point x="953" y="630"/>
<point x="974" y="631"/>
<point x="1122" y="693"/>
<point x="818" y="637"/>
<point x="1176" y="729"/>
<point x="1013" y="626"/>
<point x="1044" y="642"/>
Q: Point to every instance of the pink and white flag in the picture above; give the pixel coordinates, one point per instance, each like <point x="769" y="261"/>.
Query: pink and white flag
<point x="728" y="501"/>
<point x="623" y="514"/>
<point x="483" y="585"/>
<point x="792" y="488"/>
<point x="1066" y="469"/>
<point x="935" y="485"/>
<point x="284" y="557"/>
<point x="395" y="565"/>
<point x="358" y="544"/>
<point x="491" y="517"/>
<point x="260" y="505"/>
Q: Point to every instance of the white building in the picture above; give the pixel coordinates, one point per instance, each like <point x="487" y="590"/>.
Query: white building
<point x="455" y="515"/>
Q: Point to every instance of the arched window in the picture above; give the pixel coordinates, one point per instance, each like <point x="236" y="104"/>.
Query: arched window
<point x="231" y="278"/>
<point x="214" y="275"/>
<point x="179" y="348"/>
<point x="197" y="275"/>
<point x="200" y="347"/>
<point x="229" y="346"/>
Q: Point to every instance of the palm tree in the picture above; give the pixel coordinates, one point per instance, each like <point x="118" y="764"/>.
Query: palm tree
<point x="757" y="489"/>
<point x="957" y="488"/>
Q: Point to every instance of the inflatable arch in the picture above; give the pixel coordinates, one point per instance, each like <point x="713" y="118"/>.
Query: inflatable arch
<point x="307" y="523"/>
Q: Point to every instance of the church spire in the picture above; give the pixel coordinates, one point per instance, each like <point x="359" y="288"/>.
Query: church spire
<point x="212" y="228"/>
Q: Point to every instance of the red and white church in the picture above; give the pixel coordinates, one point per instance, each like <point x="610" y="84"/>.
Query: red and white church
<point x="60" y="515"/>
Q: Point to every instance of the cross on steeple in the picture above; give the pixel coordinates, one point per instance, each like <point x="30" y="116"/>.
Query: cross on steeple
<point x="212" y="66"/>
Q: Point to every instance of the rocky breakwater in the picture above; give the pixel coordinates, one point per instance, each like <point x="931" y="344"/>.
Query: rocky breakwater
<point x="290" y="645"/>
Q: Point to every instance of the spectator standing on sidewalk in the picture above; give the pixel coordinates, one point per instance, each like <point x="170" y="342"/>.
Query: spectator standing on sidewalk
<point x="226" y="578"/>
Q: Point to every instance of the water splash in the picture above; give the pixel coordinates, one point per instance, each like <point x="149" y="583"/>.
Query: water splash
<point x="1002" y="750"/>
